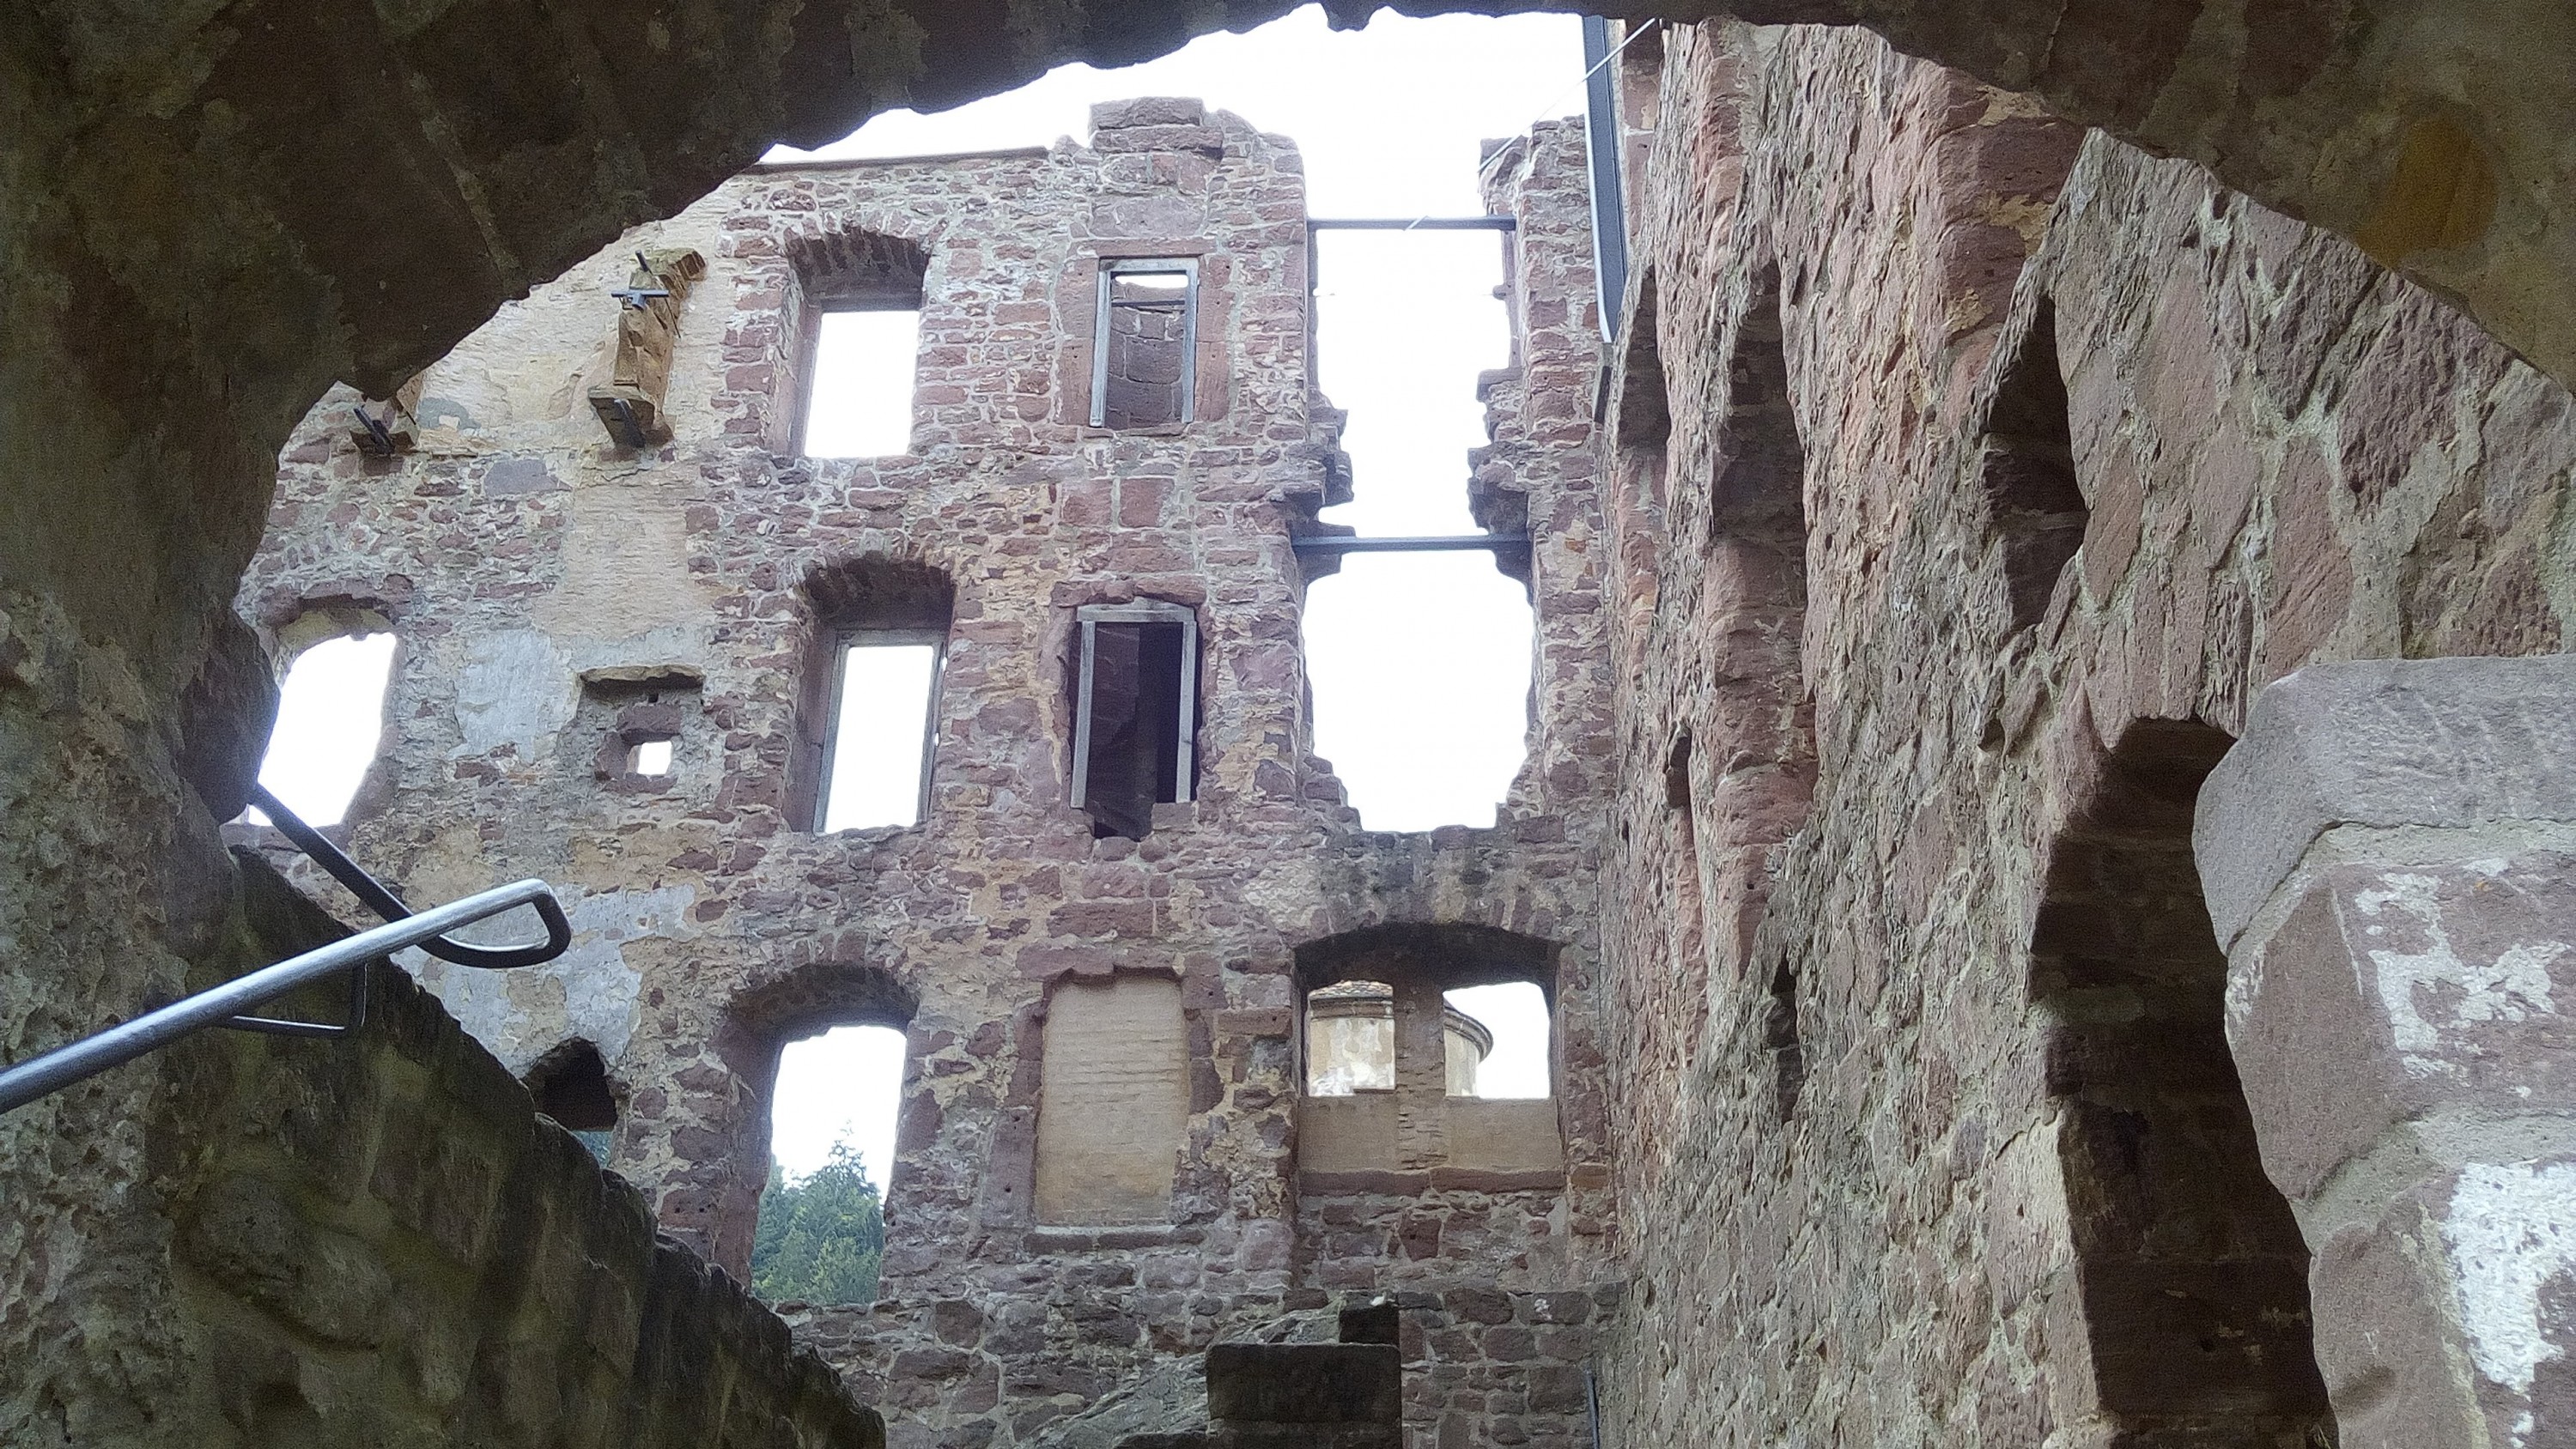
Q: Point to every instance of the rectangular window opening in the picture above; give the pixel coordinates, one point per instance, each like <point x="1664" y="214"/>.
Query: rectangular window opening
<point x="651" y="757"/>
<point x="877" y="766"/>
<point x="860" y="402"/>
<point x="1135" y="713"/>
<point x="1144" y="344"/>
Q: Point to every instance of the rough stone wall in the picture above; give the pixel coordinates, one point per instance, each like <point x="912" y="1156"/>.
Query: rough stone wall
<point x="376" y="1239"/>
<point x="2283" y="455"/>
<point x="551" y="589"/>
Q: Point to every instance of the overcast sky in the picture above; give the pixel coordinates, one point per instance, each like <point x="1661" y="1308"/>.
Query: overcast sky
<point x="1420" y="663"/>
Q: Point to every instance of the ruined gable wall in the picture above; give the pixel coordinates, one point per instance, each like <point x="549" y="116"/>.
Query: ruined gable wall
<point x="2286" y="455"/>
<point x="515" y="549"/>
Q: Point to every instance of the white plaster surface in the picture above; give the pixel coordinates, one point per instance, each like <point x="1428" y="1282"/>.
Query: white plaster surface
<point x="513" y="689"/>
<point x="2511" y="1229"/>
<point x="2511" y="988"/>
<point x="589" y="992"/>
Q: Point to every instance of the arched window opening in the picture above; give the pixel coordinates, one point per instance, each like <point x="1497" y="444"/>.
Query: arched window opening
<point x="2190" y="1272"/>
<point x="1761" y="719"/>
<point x="858" y="318"/>
<point x="1494" y="1040"/>
<point x="832" y="1109"/>
<point x="868" y="721"/>
<point x="571" y="1085"/>
<point x="2027" y="473"/>
<point x="330" y="713"/>
<point x="1428" y="1048"/>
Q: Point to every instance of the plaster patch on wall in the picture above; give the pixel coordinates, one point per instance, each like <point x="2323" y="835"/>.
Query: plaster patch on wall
<point x="2514" y="986"/>
<point x="514" y="689"/>
<point x="2511" y="1228"/>
<point x="589" y="992"/>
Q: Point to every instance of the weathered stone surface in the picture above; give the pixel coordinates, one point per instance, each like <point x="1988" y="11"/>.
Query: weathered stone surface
<point x="2440" y="742"/>
<point x="2398" y="1005"/>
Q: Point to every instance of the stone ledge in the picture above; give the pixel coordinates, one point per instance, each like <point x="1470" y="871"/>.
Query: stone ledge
<point x="2449" y="743"/>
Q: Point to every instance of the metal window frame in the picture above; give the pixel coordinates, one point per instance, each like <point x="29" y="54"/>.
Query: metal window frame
<point x="1115" y="267"/>
<point x="842" y="643"/>
<point x="1088" y="618"/>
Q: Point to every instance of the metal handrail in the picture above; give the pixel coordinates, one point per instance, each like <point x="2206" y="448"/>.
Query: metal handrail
<point x="373" y="893"/>
<point x="221" y="1005"/>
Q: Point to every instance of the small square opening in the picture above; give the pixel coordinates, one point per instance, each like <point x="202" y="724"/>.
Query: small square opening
<point x="650" y="758"/>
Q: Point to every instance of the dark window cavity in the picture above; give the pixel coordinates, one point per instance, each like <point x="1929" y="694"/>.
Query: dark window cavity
<point x="1144" y="343"/>
<point x="570" y="1084"/>
<point x="2028" y="473"/>
<point x="1135" y="713"/>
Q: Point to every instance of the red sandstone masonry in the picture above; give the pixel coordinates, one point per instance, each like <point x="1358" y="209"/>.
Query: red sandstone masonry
<point x="517" y="550"/>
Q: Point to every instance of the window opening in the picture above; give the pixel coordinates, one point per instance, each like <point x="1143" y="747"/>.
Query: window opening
<point x="571" y="1085"/>
<point x="820" y="1236"/>
<point x="1350" y="1039"/>
<point x="1498" y="1041"/>
<point x="860" y="403"/>
<point x="1135" y="713"/>
<point x="2028" y="473"/>
<point x="651" y="757"/>
<point x="876" y="770"/>
<point x="330" y="720"/>
<point x="1494" y="1040"/>
<point x="1426" y="725"/>
<point x="1144" y="344"/>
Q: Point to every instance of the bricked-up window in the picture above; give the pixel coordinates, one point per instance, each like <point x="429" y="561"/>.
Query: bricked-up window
<point x="1144" y="344"/>
<point x="571" y="1085"/>
<point x="860" y="401"/>
<point x="330" y="718"/>
<point x="1135" y="712"/>
<point x="877" y="769"/>
<point x="2189" y="1271"/>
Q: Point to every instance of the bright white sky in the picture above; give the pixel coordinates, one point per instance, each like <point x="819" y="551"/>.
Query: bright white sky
<point x="862" y="397"/>
<point x="877" y="736"/>
<point x="1420" y="663"/>
<point x="330" y="715"/>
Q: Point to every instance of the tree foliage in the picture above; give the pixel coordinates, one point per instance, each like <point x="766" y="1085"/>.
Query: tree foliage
<point x="820" y="1236"/>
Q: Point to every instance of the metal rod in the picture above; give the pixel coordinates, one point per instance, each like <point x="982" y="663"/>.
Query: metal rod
<point x="1424" y="223"/>
<point x="1331" y="543"/>
<point x="61" y="1067"/>
<point x="377" y="897"/>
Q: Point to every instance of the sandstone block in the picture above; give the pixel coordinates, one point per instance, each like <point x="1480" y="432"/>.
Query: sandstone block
<point x="2452" y="743"/>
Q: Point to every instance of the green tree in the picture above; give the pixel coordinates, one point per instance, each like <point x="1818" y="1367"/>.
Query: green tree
<point x="820" y="1236"/>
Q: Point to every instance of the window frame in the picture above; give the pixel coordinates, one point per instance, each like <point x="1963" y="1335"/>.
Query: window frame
<point x="1087" y="620"/>
<point x="1112" y="268"/>
<point x="843" y="641"/>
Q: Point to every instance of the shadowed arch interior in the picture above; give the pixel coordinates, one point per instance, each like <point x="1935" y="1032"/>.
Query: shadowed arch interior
<point x="2190" y="1272"/>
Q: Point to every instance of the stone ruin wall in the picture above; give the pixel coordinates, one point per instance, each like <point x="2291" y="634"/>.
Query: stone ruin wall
<point x="1880" y="1141"/>
<point x="1896" y="1181"/>
<point x="518" y="553"/>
